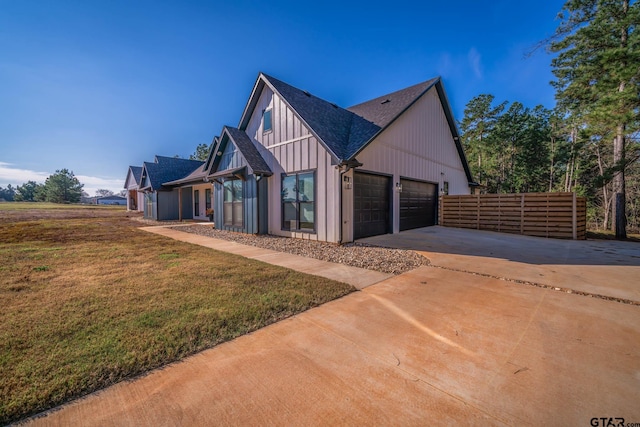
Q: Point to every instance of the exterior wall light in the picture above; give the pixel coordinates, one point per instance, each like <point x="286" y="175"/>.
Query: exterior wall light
<point x="398" y="187"/>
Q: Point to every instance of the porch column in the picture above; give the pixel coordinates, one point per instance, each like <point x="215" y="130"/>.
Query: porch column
<point x="180" y="204"/>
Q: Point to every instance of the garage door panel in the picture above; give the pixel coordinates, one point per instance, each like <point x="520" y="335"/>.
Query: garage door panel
<point x="418" y="201"/>
<point x="371" y="204"/>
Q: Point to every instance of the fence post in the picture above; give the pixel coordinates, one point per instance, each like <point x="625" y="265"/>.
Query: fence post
<point x="522" y="213"/>
<point x="477" y="212"/>
<point x="575" y="218"/>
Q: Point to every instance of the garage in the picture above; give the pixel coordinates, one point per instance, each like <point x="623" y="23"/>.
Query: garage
<point x="418" y="201"/>
<point x="372" y="205"/>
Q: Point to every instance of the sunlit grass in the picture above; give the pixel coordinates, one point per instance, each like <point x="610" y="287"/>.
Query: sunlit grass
<point x="88" y="301"/>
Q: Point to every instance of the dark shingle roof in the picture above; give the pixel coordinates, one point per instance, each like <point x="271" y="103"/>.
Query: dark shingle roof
<point x="167" y="169"/>
<point x="341" y="130"/>
<point x="136" y="171"/>
<point x="197" y="175"/>
<point x="385" y="109"/>
<point x="251" y="154"/>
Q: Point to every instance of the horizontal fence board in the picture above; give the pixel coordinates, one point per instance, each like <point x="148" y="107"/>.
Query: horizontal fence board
<point x="534" y="214"/>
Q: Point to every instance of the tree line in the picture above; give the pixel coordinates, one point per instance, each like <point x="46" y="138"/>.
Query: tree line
<point x="60" y="187"/>
<point x="590" y="142"/>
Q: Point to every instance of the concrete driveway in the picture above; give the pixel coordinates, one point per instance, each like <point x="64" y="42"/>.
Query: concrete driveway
<point x="432" y="346"/>
<point x="598" y="267"/>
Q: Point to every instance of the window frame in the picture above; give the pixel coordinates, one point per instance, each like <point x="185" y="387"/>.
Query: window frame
<point x="298" y="202"/>
<point x="207" y="199"/>
<point x="268" y="111"/>
<point x="235" y="201"/>
<point x="196" y="202"/>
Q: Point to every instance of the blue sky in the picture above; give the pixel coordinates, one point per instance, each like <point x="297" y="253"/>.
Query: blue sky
<point x="95" y="86"/>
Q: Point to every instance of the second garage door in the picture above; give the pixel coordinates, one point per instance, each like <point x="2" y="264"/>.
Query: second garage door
<point x="418" y="201"/>
<point x="371" y="205"/>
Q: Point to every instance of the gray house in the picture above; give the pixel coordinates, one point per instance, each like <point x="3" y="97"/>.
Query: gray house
<point x="300" y="166"/>
<point x="162" y="202"/>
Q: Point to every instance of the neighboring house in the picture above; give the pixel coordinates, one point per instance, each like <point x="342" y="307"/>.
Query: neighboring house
<point x="111" y="200"/>
<point x="165" y="202"/>
<point x="135" y="198"/>
<point x="303" y="167"/>
<point x="201" y="188"/>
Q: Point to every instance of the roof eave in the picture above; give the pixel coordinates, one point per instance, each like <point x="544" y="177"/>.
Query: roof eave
<point x="265" y="81"/>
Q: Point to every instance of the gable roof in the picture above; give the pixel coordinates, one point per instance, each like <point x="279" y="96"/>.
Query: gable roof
<point x="346" y="132"/>
<point x="167" y="169"/>
<point x="339" y="130"/>
<point x="249" y="151"/>
<point x="384" y="109"/>
<point x="136" y="173"/>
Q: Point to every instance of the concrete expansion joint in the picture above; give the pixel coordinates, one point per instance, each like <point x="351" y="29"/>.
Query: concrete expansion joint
<point x="541" y="285"/>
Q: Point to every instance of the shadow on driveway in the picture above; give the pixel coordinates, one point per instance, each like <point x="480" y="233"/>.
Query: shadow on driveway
<point x="600" y="267"/>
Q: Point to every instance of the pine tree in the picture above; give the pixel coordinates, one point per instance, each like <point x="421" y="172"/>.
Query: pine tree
<point x="598" y="78"/>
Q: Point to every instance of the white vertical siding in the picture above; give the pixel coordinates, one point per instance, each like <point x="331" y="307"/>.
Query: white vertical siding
<point x="289" y="148"/>
<point x="418" y="145"/>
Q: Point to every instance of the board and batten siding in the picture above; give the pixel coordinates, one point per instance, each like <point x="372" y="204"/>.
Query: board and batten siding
<point x="418" y="145"/>
<point x="288" y="148"/>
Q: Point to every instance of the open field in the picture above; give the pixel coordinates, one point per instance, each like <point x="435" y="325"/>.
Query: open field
<point x="89" y="300"/>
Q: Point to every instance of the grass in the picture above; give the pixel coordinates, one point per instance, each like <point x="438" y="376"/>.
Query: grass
<point x="89" y="300"/>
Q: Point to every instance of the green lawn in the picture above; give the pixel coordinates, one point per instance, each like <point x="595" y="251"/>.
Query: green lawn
<point x="88" y="300"/>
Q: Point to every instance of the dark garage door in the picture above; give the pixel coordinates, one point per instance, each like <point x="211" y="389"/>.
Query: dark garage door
<point x="418" y="202"/>
<point x="371" y="204"/>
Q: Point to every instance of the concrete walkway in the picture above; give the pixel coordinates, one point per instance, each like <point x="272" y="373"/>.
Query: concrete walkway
<point x="357" y="277"/>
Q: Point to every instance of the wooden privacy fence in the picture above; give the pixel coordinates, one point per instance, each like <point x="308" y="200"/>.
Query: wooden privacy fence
<point x="556" y="215"/>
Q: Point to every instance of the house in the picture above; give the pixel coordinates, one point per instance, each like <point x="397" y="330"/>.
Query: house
<point x="135" y="198"/>
<point x="111" y="200"/>
<point x="200" y="187"/>
<point x="300" y="166"/>
<point x="165" y="202"/>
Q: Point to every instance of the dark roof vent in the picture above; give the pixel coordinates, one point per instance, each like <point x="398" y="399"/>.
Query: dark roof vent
<point x="386" y="101"/>
<point x="306" y="93"/>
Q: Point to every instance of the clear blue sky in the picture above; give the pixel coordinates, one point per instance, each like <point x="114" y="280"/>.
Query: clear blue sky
<point x="96" y="86"/>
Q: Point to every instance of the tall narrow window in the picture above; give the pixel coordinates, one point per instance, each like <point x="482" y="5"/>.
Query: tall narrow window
<point x="266" y="121"/>
<point x="232" y="203"/>
<point x="298" y="202"/>
<point x="207" y="198"/>
<point x="196" y="202"/>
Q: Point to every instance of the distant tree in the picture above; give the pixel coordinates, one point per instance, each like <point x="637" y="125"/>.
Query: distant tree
<point x="27" y="191"/>
<point x="7" y="194"/>
<point x="598" y="79"/>
<point x="201" y="153"/>
<point x="103" y="193"/>
<point x="122" y="193"/>
<point x="63" y="187"/>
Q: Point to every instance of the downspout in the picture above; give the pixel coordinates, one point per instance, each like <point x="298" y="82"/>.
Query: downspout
<point x="258" y="177"/>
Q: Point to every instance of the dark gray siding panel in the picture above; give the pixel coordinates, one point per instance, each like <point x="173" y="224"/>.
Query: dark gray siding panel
<point x="263" y="206"/>
<point x="168" y="205"/>
<point x="250" y="207"/>
<point x="187" y="203"/>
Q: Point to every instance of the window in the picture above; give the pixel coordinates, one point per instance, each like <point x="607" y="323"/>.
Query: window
<point x="266" y="121"/>
<point x="232" y="204"/>
<point x="196" y="203"/>
<point x="298" y="201"/>
<point x="445" y="188"/>
<point x="207" y="199"/>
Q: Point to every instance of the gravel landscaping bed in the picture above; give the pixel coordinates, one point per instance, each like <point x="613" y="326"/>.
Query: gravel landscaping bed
<point x="386" y="260"/>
